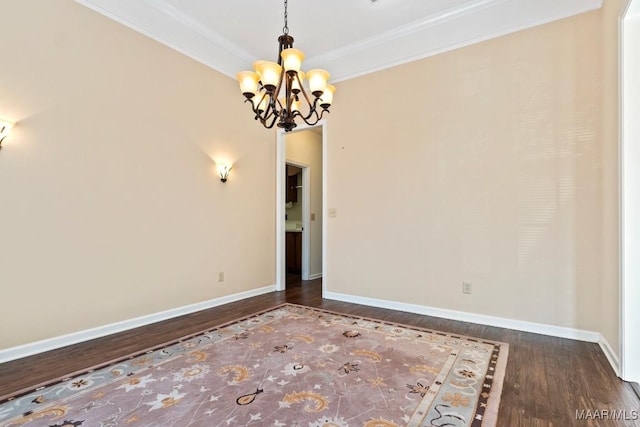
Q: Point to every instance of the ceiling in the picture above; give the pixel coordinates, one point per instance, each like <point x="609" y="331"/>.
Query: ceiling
<point x="634" y="9"/>
<point x="347" y="37"/>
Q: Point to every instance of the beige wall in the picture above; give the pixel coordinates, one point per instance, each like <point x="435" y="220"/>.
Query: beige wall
<point x="110" y="204"/>
<point x="499" y="167"/>
<point x="484" y="165"/>
<point x="305" y="147"/>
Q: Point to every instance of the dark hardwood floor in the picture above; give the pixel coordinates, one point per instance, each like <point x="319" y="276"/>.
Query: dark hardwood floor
<point x="547" y="380"/>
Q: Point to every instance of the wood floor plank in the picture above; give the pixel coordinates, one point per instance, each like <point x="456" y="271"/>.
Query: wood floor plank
<point x="548" y="379"/>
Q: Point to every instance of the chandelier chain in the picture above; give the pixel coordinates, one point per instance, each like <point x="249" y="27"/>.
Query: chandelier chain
<point x="285" y="29"/>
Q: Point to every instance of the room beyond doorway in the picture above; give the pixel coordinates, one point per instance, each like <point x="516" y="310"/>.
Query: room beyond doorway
<point x="296" y="218"/>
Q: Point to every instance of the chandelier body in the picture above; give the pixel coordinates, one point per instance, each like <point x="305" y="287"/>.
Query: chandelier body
<point x="275" y="90"/>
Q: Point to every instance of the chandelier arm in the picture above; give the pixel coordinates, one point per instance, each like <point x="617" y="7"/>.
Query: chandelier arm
<point x="253" y="108"/>
<point x="279" y="105"/>
<point x="269" y="110"/>
<point x="273" y="122"/>
<point x="274" y="94"/>
<point x="304" y="92"/>
<point x="313" y="108"/>
<point x="312" y="105"/>
<point x="307" y="117"/>
<point x="260" y="114"/>
<point x="273" y="109"/>
<point x="308" y="122"/>
<point x="265" y="116"/>
<point x="261" y="117"/>
<point x="272" y="114"/>
<point x="318" y="117"/>
<point x="285" y="111"/>
<point x="262" y="95"/>
<point x="287" y="90"/>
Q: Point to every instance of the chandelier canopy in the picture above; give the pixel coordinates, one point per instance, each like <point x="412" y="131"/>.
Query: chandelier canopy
<point x="276" y="91"/>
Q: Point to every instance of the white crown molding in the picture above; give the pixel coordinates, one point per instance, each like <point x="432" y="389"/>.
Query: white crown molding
<point x="200" y="29"/>
<point x="29" y="349"/>
<point x="491" y="19"/>
<point x="472" y="22"/>
<point x="406" y="31"/>
<point x="171" y="29"/>
<point x="632" y="9"/>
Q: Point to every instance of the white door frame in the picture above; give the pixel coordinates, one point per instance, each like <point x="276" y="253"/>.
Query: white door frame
<point x="629" y="208"/>
<point x="306" y="208"/>
<point x="281" y="270"/>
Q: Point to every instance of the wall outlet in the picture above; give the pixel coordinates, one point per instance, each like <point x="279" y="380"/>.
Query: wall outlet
<point x="466" y="287"/>
<point x="333" y="212"/>
<point x="221" y="277"/>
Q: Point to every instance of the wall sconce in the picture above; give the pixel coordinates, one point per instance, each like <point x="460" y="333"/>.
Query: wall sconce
<point x="5" y="128"/>
<point x="223" y="170"/>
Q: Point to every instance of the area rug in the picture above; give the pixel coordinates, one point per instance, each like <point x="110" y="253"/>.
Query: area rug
<point x="287" y="366"/>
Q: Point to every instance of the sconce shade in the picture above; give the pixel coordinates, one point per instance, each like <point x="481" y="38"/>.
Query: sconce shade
<point x="223" y="170"/>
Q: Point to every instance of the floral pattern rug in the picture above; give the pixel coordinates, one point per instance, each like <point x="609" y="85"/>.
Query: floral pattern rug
<point x="288" y="366"/>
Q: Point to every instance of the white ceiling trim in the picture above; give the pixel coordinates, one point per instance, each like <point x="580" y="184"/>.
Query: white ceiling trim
<point x="633" y="9"/>
<point x="407" y="30"/>
<point x="472" y="22"/>
<point x="494" y="18"/>
<point x="146" y="18"/>
<point x="194" y="25"/>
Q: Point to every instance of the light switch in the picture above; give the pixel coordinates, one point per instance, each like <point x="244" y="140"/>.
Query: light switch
<point x="313" y="217"/>
<point x="333" y="212"/>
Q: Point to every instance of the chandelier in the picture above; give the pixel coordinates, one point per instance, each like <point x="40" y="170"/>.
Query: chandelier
<point x="276" y="91"/>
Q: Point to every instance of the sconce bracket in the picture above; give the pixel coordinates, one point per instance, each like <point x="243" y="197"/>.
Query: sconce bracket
<point x="5" y="127"/>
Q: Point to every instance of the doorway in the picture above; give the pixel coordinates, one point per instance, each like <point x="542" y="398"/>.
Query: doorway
<point x="630" y="194"/>
<point x="302" y="154"/>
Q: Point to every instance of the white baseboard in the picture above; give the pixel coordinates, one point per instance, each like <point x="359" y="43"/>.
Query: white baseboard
<point x="613" y="359"/>
<point x="500" y="322"/>
<point x="315" y="276"/>
<point x="18" y="352"/>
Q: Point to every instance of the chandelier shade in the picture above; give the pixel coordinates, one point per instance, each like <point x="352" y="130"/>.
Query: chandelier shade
<point x="277" y="93"/>
<point x="292" y="59"/>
